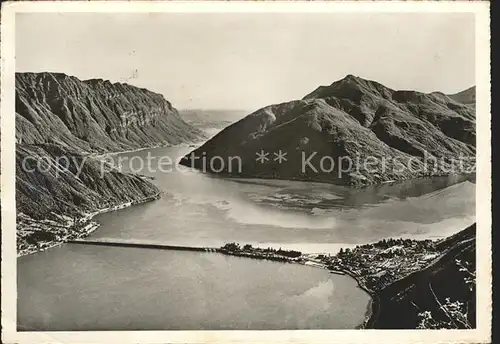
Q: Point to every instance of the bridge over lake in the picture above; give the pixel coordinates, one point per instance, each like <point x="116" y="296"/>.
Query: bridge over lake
<point x="118" y="243"/>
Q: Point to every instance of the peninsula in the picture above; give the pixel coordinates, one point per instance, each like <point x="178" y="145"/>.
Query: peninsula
<point x="407" y="279"/>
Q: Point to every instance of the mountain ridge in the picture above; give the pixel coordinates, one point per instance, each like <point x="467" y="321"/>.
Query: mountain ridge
<point x="61" y="122"/>
<point x="349" y="118"/>
<point x="95" y="115"/>
<point x="467" y="96"/>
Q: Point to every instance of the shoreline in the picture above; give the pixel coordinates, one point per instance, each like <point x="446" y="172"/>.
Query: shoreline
<point x="376" y="267"/>
<point x="330" y="181"/>
<point x="109" y="154"/>
<point x="373" y="266"/>
<point x="89" y="216"/>
<point x="373" y="305"/>
<point x="308" y="260"/>
<point x="87" y="220"/>
<point x="56" y="243"/>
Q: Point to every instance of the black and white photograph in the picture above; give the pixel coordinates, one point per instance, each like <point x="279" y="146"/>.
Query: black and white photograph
<point x="245" y="170"/>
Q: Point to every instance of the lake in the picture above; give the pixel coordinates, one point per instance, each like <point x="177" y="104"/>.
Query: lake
<point x="202" y="210"/>
<point x="78" y="287"/>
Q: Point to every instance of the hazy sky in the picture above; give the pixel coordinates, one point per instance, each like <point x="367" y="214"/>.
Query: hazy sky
<point x="246" y="61"/>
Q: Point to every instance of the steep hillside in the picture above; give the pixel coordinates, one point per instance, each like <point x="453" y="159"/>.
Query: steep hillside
<point x="467" y="96"/>
<point x="65" y="182"/>
<point x="59" y="121"/>
<point x="58" y="190"/>
<point x="351" y="118"/>
<point x="94" y="115"/>
<point x="398" y="306"/>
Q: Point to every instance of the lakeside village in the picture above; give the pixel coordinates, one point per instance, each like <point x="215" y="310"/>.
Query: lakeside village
<point x="38" y="235"/>
<point x="35" y="235"/>
<point x="374" y="266"/>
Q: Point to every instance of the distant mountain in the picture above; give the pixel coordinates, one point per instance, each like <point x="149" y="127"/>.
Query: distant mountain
<point x="398" y="306"/>
<point x="467" y="96"/>
<point x="94" y="115"/>
<point x="210" y="119"/>
<point x="354" y="118"/>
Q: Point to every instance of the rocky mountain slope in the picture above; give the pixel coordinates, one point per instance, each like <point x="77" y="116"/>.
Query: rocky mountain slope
<point x="59" y="190"/>
<point x="467" y="96"/>
<point x="94" y="115"/>
<point x="352" y="118"/>
<point x="59" y="121"/>
<point x="65" y="182"/>
<point x="398" y="306"/>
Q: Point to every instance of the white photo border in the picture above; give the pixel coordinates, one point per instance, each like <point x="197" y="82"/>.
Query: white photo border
<point x="482" y="334"/>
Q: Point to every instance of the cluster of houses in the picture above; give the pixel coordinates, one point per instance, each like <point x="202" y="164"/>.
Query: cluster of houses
<point x="378" y="265"/>
<point x="373" y="265"/>
<point x="35" y="235"/>
<point x="249" y="251"/>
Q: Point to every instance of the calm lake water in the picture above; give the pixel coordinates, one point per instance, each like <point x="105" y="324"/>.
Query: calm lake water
<point x="77" y="287"/>
<point x="200" y="210"/>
